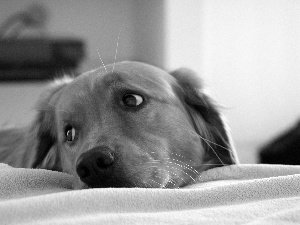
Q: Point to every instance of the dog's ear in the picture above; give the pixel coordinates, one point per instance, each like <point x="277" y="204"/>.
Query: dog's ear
<point x="35" y="146"/>
<point x="206" y="119"/>
<point x="43" y="131"/>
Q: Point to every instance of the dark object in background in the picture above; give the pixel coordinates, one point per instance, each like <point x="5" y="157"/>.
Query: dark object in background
<point x="38" y="59"/>
<point x="284" y="149"/>
<point x="40" y="53"/>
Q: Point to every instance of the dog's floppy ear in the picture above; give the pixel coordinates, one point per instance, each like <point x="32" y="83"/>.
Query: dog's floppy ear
<point x="34" y="146"/>
<point x="42" y="130"/>
<point x="206" y="118"/>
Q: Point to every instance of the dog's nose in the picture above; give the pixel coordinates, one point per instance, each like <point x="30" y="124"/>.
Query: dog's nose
<point x="94" y="165"/>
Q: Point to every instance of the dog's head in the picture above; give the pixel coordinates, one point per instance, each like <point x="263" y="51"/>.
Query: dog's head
<point x="131" y="125"/>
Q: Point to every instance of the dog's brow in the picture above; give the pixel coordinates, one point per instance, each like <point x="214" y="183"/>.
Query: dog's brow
<point x="158" y="89"/>
<point x="111" y="78"/>
<point x="156" y="92"/>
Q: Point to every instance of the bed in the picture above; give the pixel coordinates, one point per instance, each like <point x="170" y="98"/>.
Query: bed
<point x="238" y="194"/>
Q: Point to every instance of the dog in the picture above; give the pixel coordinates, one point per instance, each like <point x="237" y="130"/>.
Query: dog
<point x="127" y="124"/>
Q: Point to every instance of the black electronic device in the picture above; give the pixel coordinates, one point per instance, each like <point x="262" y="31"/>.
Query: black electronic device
<point x="38" y="59"/>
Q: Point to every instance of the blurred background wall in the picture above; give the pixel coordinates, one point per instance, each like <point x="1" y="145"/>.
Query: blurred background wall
<point x="247" y="52"/>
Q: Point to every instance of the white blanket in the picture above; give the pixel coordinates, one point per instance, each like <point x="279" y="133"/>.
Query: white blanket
<point x="239" y="194"/>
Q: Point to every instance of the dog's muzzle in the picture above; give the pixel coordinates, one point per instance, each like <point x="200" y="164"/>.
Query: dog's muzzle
<point x="95" y="166"/>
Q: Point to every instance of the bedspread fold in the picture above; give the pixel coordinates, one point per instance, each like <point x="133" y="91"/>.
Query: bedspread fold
<point x="237" y="194"/>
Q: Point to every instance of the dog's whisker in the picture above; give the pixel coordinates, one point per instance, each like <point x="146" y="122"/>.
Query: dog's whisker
<point x="147" y="184"/>
<point x="214" y="143"/>
<point x="207" y="142"/>
<point x="181" y="163"/>
<point x="181" y="156"/>
<point x="175" y="166"/>
<point x="168" y="178"/>
<point x="101" y="60"/>
<point x="144" y="185"/>
<point x="168" y="171"/>
<point x="172" y="181"/>
<point x="116" y="52"/>
<point x="155" y="182"/>
<point x="176" y="175"/>
<point x="165" y="180"/>
<point x="185" y="165"/>
<point x="181" y="171"/>
<point x="216" y="154"/>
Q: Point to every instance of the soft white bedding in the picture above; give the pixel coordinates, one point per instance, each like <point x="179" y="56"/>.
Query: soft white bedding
<point x="239" y="194"/>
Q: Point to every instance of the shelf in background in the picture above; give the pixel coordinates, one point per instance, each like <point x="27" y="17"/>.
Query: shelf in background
<point x="38" y="59"/>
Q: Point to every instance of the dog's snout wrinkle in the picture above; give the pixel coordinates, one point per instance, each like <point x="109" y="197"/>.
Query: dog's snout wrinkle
<point x="94" y="165"/>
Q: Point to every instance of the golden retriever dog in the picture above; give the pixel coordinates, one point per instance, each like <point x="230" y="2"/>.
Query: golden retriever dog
<point x="127" y="124"/>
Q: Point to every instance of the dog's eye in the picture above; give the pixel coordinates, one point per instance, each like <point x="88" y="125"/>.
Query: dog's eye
<point x="70" y="133"/>
<point x="132" y="100"/>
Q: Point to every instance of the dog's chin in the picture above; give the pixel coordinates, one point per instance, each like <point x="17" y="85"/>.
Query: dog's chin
<point x="155" y="180"/>
<point x="79" y="185"/>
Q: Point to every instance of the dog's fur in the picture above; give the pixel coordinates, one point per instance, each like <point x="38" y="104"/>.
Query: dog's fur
<point x="167" y="140"/>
